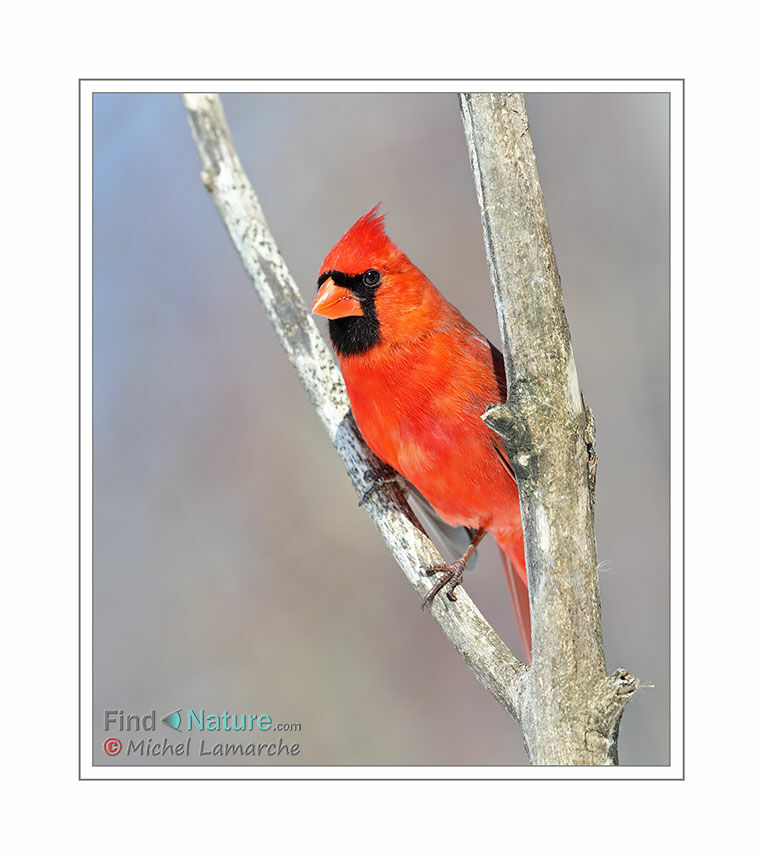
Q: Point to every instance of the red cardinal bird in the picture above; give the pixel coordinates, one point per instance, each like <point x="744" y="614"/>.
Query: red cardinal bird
<point x="419" y="377"/>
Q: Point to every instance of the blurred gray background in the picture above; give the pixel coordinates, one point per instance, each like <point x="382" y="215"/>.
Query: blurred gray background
<point x="227" y="541"/>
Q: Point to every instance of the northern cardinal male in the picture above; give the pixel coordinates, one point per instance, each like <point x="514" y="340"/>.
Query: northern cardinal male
<point x="419" y="377"/>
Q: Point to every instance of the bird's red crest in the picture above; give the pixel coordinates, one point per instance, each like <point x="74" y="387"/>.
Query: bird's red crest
<point x="364" y="246"/>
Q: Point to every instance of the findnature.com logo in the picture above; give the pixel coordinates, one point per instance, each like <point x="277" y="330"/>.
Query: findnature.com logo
<point x="251" y="739"/>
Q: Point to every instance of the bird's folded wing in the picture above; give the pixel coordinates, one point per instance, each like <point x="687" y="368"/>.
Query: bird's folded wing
<point x="451" y="540"/>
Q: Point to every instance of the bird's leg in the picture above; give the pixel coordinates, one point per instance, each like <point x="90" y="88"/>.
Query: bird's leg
<point x="378" y="478"/>
<point x="453" y="573"/>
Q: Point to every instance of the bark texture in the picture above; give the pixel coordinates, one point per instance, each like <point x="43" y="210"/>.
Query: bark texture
<point x="569" y="707"/>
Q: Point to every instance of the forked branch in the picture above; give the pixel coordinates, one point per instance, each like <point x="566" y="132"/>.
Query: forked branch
<point x="567" y="707"/>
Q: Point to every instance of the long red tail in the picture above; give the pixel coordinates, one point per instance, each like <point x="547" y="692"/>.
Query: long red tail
<point x="512" y="555"/>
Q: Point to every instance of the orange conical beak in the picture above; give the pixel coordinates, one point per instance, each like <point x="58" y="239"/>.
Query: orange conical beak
<point x="334" y="302"/>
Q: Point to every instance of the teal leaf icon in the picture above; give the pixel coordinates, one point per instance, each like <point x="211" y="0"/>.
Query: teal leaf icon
<point x="173" y="720"/>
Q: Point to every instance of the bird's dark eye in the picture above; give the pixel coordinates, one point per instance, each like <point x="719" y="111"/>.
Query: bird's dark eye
<point x="371" y="278"/>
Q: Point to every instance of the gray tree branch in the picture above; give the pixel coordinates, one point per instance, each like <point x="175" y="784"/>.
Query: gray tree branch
<point x="569" y="708"/>
<point x="497" y="669"/>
